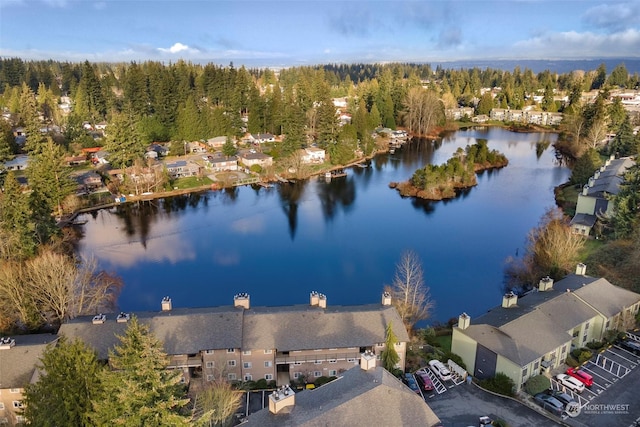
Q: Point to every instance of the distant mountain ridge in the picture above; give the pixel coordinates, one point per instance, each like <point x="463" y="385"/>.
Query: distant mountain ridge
<point x="560" y="66"/>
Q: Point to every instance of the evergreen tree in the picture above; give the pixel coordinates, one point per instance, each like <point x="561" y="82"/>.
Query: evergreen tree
<point x="585" y="166"/>
<point x="8" y="146"/>
<point x="123" y="140"/>
<point x="140" y="390"/>
<point x="229" y="148"/>
<point x="49" y="177"/>
<point x="623" y="144"/>
<point x="627" y="204"/>
<point x="30" y="119"/>
<point x="68" y="382"/>
<point x="486" y="103"/>
<point x="600" y="77"/>
<point x="389" y="355"/>
<point x="619" y="76"/>
<point x="16" y="218"/>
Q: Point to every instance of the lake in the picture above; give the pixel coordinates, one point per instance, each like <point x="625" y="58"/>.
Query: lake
<point x="342" y="238"/>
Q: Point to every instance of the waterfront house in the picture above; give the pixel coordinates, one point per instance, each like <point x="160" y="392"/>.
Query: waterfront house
<point x="19" y="357"/>
<point x="182" y="169"/>
<point x="362" y="395"/>
<point x="595" y="199"/>
<point x="311" y="155"/>
<point x="533" y="334"/>
<point x="251" y="157"/>
<point x="220" y="163"/>
<point x="244" y="343"/>
<point x="459" y="113"/>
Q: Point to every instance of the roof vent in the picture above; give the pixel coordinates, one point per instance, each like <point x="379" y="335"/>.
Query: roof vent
<point x="166" y="304"/>
<point x="99" y="319"/>
<point x="241" y="300"/>
<point x="6" y="343"/>
<point x="281" y="399"/>
<point x="122" y="317"/>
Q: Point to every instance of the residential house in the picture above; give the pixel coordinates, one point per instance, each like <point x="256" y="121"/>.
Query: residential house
<point x="89" y="180"/>
<point x="182" y="169"/>
<point x="532" y="334"/>
<point x="241" y="342"/>
<point x="18" y="163"/>
<point x="261" y="138"/>
<point x="459" y="113"/>
<point x="251" y="157"/>
<point x="595" y="199"/>
<point x="100" y="157"/>
<point x="219" y="163"/>
<point x="19" y="357"/>
<point x="480" y="118"/>
<point x="75" y="160"/>
<point x="312" y="155"/>
<point x="160" y="149"/>
<point x="197" y="147"/>
<point x="364" y="395"/>
<point x="498" y="114"/>
<point x="218" y="142"/>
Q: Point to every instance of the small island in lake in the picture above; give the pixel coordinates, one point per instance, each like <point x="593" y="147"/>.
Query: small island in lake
<point x="441" y="182"/>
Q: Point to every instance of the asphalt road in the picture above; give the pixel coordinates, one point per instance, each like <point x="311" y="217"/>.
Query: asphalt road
<point x="461" y="406"/>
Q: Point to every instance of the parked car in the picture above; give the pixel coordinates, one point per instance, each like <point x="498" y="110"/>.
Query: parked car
<point x="630" y="345"/>
<point x="570" y="383"/>
<point x="410" y="381"/>
<point x="581" y="376"/>
<point x="570" y="405"/>
<point x="424" y="381"/>
<point x="549" y="403"/>
<point x="440" y="370"/>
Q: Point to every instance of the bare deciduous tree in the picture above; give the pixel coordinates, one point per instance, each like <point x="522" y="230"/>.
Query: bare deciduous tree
<point x="410" y="295"/>
<point x="422" y="110"/>
<point x="216" y="404"/>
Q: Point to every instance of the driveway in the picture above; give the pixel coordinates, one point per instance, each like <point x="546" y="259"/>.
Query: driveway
<point x="461" y="406"/>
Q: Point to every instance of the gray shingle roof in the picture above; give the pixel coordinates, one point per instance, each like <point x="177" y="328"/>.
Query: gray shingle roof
<point x="358" y="397"/>
<point x="18" y="363"/>
<point x="607" y="298"/>
<point x="302" y="327"/>
<point x="609" y="180"/>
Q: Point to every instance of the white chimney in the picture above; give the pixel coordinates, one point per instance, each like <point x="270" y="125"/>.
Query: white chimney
<point x="581" y="269"/>
<point x="545" y="284"/>
<point x="604" y="167"/>
<point x="509" y="300"/>
<point x="99" y="319"/>
<point x="368" y="360"/>
<point x="585" y="190"/>
<point x="241" y="300"/>
<point x="281" y="399"/>
<point x="464" y="320"/>
<point x="386" y="298"/>
<point x="596" y="174"/>
<point x="322" y="301"/>
<point x="166" y="304"/>
<point x="313" y="298"/>
<point x="591" y="181"/>
<point x="122" y="317"/>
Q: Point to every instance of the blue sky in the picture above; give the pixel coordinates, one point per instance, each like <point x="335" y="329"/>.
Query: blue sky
<point x="286" y="33"/>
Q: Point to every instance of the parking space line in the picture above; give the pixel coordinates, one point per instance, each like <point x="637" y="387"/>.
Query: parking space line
<point x="634" y="363"/>
<point x="592" y="371"/>
<point x="438" y="385"/>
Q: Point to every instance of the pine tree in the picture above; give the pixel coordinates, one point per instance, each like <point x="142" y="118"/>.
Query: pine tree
<point x="229" y="148"/>
<point x="8" y="146"/>
<point x="68" y="382"/>
<point x="140" y="390"/>
<point x="16" y="218"/>
<point x="123" y="140"/>
<point x="389" y="355"/>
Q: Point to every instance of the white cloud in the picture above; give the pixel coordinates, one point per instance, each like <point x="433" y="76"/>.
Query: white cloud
<point x="177" y="47"/>
<point x="613" y="17"/>
<point x="251" y="225"/>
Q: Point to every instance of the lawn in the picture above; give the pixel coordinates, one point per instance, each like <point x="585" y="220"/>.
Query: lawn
<point x="444" y="342"/>
<point x="191" y="182"/>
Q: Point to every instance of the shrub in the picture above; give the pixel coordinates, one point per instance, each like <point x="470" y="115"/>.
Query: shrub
<point x="500" y="423"/>
<point x="256" y="168"/>
<point x="457" y="359"/>
<point x="500" y="384"/>
<point x="323" y="380"/>
<point x="537" y="384"/>
<point x="584" y="355"/>
<point x="571" y="361"/>
<point x="595" y="345"/>
<point x="261" y="384"/>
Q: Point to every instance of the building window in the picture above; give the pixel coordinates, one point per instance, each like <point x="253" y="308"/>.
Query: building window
<point x="17" y="404"/>
<point x="564" y="349"/>
<point x="268" y="351"/>
<point x="246" y="365"/>
<point x="576" y="333"/>
<point x="231" y="362"/>
<point x="586" y="325"/>
<point x="318" y="362"/>
<point x="246" y="352"/>
<point x="208" y="352"/>
<point x="584" y="338"/>
<point x="248" y="377"/>
<point x="525" y="371"/>
<point x="14" y="390"/>
<point x="231" y="377"/>
<point x="231" y="350"/>
<point x="183" y="380"/>
<point x="333" y="361"/>
<point x="333" y="373"/>
<point x="351" y="360"/>
<point x="607" y="324"/>
<point x="267" y="364"/>
<point x="210" y="377"/>
<point x="209" y="365"/>
<point x="536" y="365"/>
<point x="268" y="377"/>
<point x="317" y="374"/>
<point x="297" y="363"/>
<point x="297" y="375"/>
<point x="20" y="419"/>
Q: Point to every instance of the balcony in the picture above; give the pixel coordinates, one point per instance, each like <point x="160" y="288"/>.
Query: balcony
<point x="282" y="359"/>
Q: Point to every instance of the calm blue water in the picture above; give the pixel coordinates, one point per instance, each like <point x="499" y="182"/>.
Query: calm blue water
<point x="341" y="238"/>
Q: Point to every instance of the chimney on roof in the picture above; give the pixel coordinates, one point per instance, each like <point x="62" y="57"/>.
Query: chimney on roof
<point x="6" y="343"/>
<point x="545" y="284"/>
<point x="591" y="181"/>
<point x="585" y="190"/>
<point x="99" y="319"/>
<point x="122" y="317"/>
<point x="581" y="269"/>
<point x="509" y="300"/>
<point x="281" y="399"/>
<point x="322" y="301"/>
<point x="386" y="298"/>
<point x="596" y="174"/>
<point x="603" y="167"/>
<point x="241" y="300"/>
<point x="464" y="320"/>
<point x="368" y="360"/>
<point x="166" y="304"/>
<point x="313" y="298"/>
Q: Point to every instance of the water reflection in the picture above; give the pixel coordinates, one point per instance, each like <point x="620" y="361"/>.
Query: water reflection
<point x="335" y="195"/>
<point x="290" y="194"/>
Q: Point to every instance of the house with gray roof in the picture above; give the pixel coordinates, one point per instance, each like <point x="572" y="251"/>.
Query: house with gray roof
<point x="243" y="343"/>
<point x="364" y="395"/>
<point x="595" y="200"/>
<point x="534" y="333"/>
<point x="19" y="358"/>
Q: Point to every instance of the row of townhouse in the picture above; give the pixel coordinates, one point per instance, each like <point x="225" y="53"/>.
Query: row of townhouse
<point x="244" y="343"/>
<point x="543" y="118"/>
<point x="533" y="334"/>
